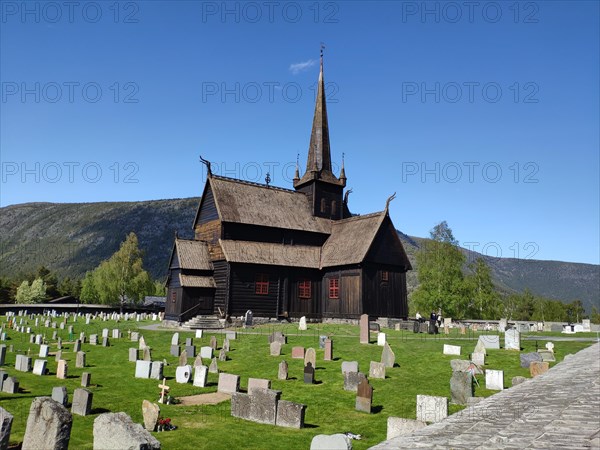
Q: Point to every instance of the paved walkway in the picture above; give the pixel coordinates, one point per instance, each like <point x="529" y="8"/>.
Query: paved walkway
<point x="557" y="410"/>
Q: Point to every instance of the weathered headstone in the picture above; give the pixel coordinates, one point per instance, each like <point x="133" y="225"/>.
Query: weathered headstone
<point x="175" y="339"/>
<point x="183" y="374"/>
<point x="133" y="354"/>
<point x="451" y="349"/>
<point x="538" y="368"/>
<point x="183" y="358"/>
<point x="226" y="345"/>
<point x="117" y="430"/>
<point x="86" y="378"/>
<point x="349" y="366"/>
<point x="213" y="367"/>
<point x="310" y="357"/>
<point x="105" y="342"/>
<point x="381" y="339"/>
<point x="61" y="369"/>
<point x="331" y="442"/>
<point x="290" y="414"/>
<point x="228" y="383"/>
<point x="328" y="352"/>
<point x="490" y="341"/>
<point x="388" y="358"/>
<point x="200" y="376"/>
<point x="297" y="352"/>
<point x="431" y="408"/>
<point x="150" y="412"/>
<point x="322" y="339"/>
<point x="77" y="346"/>
<point x="377" y="370"/>
<point x="364" y="396"/>
<point x="547" y="355"/>
<point x="142" y="343"/>
<point x="198" y="334"/>
<point x="528" y="358"/>
<point x="248" y="319"/>
<point x="480" y="347"/>
<point x="146" y="354"/>
<point x="206" y="352"/>
<point x="59" y="394"/>
<point x="175" y="350"/>
<point x="275" y="348"/>
<point x="263" y="405"/>
<point x="142" y="369"/>
<point x="277" y="336"/>
<point x="222" y="355"/>
<point x="461" y="387"/>
<point x="397" y="426"/>
<point x="10" y="385"/>
<point x="352" y="380"/>
<point x="80" y="360"/>
<point x="302" y="324"/>
<point x="39" y="367"/>
<point x="512" y="339"/>
<point x="283" y="371"/>
<point x="213" y="342"/>
<point x="258" y="383"/>
<point x="478" y="358"/>
<point x="240" y="405"/>
<point x="309" y="373"/>
<point x="82" y="402"/>
<point x="44" y="349"/>
<point x="23" y="363"/>
<point x="6" y="420"/>
<point x="364" y="329"/>
<point x="156" y="370"/>
<point x="494" y="379"/>
<point x="48" y="425"/>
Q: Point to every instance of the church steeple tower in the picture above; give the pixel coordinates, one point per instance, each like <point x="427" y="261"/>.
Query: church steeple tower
<point x="319" y="182"/>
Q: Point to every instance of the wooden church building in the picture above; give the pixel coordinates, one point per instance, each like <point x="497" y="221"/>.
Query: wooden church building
<point x="288" y="252"/>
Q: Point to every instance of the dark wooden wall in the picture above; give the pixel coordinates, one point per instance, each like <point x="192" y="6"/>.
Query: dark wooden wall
<point x="221" y="277"/>
<point x="317" y="191"/>
<point x="349" y="303"/>
<point x="384" y="298"/>
<point x="256" y="233"/>
<point x="309" y="307"/>
<point x="242" y="290"/>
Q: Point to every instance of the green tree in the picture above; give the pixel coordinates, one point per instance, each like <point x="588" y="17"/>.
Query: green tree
<point x="595" y="316"/>
<point x="68" y="286"/>
<point x="89" y="294"/>
<point x="50" y="280"/>
<point x="121" y="278"/>
<point x="31" y="293"/>
<point x="575" y="311"/>
<point x="440" y="263"/>
<point x="525" y="306"/>
<point x="484" y="301"/>
<point x="159" y="289"/>
<point x="6" y="295"/>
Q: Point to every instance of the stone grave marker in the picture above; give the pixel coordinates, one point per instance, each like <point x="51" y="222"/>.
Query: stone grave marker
<point x="156" y="370"/>
<point x="451" y="349"/>
<point x="39" y="367"/>
<point x="248" y="319"/>
<point x="59" y="394"/>
<point x="547" y="356"/>
<point x="10" y="385"/>
<point x="151" y="413"/>
<point x="310" y="356"/>
<point x="133" y="354"/>
<point x="328" y="353"/>
<point x="213" y="342"/>
<point x="93" y="339"/>
<point x="86" y="378"/>
<point x="377" y="370"/>
<point x="258" y="383"/>
<point x="512" y="340"/>
<point x="175" y="339"/>
<point x="364" y="396"/>
<point x="277" y="336"/>
<point x="222" y="355"/>
<point x="183" y="374"/>
<point x="44" y="350"/>
<point x="142" y="343"/>
<point x="116" y="334"/>
<point x="322" y="340"/>
<point x="80" y="360"/>
<point x="117" y="430"/>
<point x="240" y="405"/>
<point x="228" y="383"/>
<point x="2" y="354"/>
<point x="478" y="358"/>
<point x="538" y="368"/>
<point x="381" y="339"/>
<point x="290" y="414"/>
<point x="198" y="361"/>
<point x="528" y="358"/>
<point x="263" y="405"/>
<point x="105" y="332"/>
<point x="82" y="402"/>
<point x="200" y="376"/>
<point x="135" y="336"/>
<point x="22" y="363"/>
<point x="175" y="351"/>
<point x="309" y="373"/>
<point x="349" y="366"/>
<point x="275" y="348"/>
<point x="388" y="358"/>
<point x="283" y="371"/>
<point x="461" y="387"/>
<point x="397" y="426"/>
<point x="62" y="369"/>
<point x="431" y="408"/>
<point x="337" y="441"/>
<point x="230" y="336"/>
<point x="183" y="359"/>
<point x="302" y="324"/>
<point x="480" y="347"/>
<point x="48" y="425"/>
<point x="490" y="341"/>
<point x="550" y="346"/>
<point x="297" y="352"/>
<point x="213" y="367"/>
<point x="364" y="329"/>
<point x="142" y="369"/>
<point x="226" y="345"/>
<point x="494" y="379"/>
<point x="105" y="342"/>
<point x="206" y="352"/>
<point x="147" y="356"/>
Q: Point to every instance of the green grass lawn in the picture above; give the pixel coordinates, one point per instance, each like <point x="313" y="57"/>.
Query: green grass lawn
<point x="421" y="369"/>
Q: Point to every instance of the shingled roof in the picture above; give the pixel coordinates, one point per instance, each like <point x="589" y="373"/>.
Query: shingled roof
<point x="196" y="281"/>
<point x="192" y="254"/>
<point x="271" y="254"/>
<point x="256" y="204"/>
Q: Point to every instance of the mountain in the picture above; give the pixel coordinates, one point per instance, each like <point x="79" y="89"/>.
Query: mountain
<point x="71" y="238"/>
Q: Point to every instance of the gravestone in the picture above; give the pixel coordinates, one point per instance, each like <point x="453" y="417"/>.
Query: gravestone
<point x="222" y="355"/>
<point x="105" y="342"/>
<point x="586" y="324"/>
<point x="230" y="336"/>
<point x="183" y="374"/>
<point x="10" y="385"/>
<point x="364" y="396"/>
<point x="62" y="369"/>
<point x="48" y="425"/>
<point x="277" y="336"/>
<point x="82" y="402"/>
<point x="156" y="370"/>
<point x="183" y="358"/>
<point x="80" y="360"/>
<point x="528" y="358"/>
<point x="175" y="351"/>
<point x="164" y="390"/>
<point x="240" y="405"/>
<point x="451" y="349"/>
<point x="39" y="367"/>
<point x="147" y="355"/>
<point x="290" y="414"/>
<point x="198" y="361"/>
<point x="226" y="345"/>
<point x="151" y="413"/>
<point x="461" y="387"/>
<point x="135" y="336"/>
<point x="310" y="357"/>
<point x="105" y="332"/>
<point x="322" y="340"/>
<point x="431" y="408"/>
<point x="478" y="358"/>
<point x="93" y="339"/>
<point x="117" y="430"/>
<point x="352" y="380"/>
<point x="43" y="351"/>
<point x="133" y="354"/>
<point x="198" y="334"/>
<point x="116" y="334"/>
<point x="142" y="369"/>
<point x="77" y="346"/>
<point x="258" y="383"/>
<point x="175" y="339"/>
<point x="283" y="371"/>
<point x="213" y="367"/>
<point x="22" y="363"/>
<point x="364" y="329"/>
<point x="3" y="376"/>
<point x="494" y="379"/>
<point x="397" y="426"/>
<point x="302" y="324"/>
<point x="206" y="352"/>
<point x="309" y="374"/>
<point x="550" y="346"/>
<point x="2" y="354"/>
<point x="490" y="341"/>
<point x="59" y="394"/>
<point x="480" y="347"/>
<point x="86" y="378"/>
<point x="388" y="358"/>
<point x="200" y="376"/>
<point x="377" y="370"/>
<point x="248" y="319"/>
<point x="547" y="355"/>
<point x="349" y="366"/>
<point x="512" y="340"/>
<point x="538" y="368"/>
<point x="275" y="348"/>
<point x="297" y="352"/>
<point x="213" y="342"/>
<point x="381" y="339"/>
<point x="263" y="405"/>
<point x="460" y="365"/>
<point x="6" y="420"/>
<point x="228" y="383"/>
<point x="502" y="325"/>
<point x="337" y="441"/>
<point x="142" y="343"/>
<point x="328" y="353"/>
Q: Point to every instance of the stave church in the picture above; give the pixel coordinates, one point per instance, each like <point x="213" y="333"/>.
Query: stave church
<point x="286" y="253"/>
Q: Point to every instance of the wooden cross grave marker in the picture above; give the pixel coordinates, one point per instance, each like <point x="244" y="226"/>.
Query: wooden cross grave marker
<point x="163" y="389"/>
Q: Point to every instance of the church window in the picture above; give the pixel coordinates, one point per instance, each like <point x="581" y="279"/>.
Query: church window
<point x="304" y="288"/>
<point x="323" y="205"/>
<point x="334" y="288"/>
<point x="385" y="275"/>
<point x="261" y="284"/>
<point x="173" y="296"/>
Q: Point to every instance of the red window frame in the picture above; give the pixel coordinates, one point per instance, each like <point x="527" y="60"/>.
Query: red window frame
<point x="173" y="296"/>
<point x="261" y="284"/>
<point x="385" y="275"/>
<point x="305" y="288"/>
<point x="334" y="288"/>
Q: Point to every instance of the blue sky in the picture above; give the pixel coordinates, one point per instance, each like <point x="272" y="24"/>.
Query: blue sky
<point x="487" y="117"/>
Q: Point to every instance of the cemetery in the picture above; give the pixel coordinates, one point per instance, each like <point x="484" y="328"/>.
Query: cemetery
<point x="271" y="383"/>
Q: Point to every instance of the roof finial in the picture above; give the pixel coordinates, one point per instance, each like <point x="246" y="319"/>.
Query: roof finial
<point x="322" y="48"/>
<point x="346" y="195"/>
<point x="343" y="171"/>
<point x="268" y="179"/>
<point x="206" y="162"/>
<point x="387" y="202"/>
<point x="297" y="173"/>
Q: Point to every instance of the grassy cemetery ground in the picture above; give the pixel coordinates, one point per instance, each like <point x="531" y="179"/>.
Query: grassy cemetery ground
<point x="421" y="368"/>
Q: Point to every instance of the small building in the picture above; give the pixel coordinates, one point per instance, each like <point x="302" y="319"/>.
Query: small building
<point x="288" y="252"/>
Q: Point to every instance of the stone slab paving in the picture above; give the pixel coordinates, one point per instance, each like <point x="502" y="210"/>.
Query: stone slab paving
<point x="557" y="410"/>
